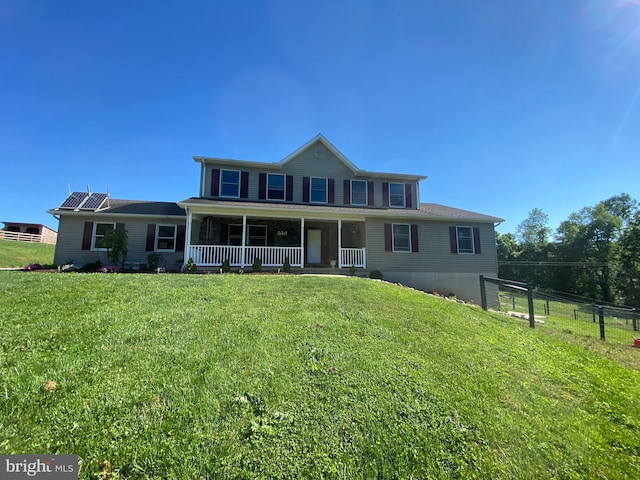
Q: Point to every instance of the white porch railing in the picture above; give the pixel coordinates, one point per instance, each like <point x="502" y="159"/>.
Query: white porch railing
<point x="215" y="255"/>
<point x="353" y="257"/>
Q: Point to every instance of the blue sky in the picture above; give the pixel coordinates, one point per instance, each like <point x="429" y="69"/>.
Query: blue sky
<point x="505" y="105"/>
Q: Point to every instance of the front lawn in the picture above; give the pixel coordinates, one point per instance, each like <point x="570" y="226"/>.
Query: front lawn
<point x="278" y="376"/>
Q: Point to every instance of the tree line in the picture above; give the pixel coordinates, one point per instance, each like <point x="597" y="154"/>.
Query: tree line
<point x="595" y="252"/>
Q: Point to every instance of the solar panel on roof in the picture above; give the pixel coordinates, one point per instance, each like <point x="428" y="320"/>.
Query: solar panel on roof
<point x="94" y="201"/>
<point x="74" y="200"/>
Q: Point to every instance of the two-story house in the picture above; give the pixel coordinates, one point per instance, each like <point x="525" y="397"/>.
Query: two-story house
<point x="312" y="209"/>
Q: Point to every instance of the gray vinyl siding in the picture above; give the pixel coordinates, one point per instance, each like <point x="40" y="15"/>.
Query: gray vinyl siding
<point x="71" y="232"/>
<point x="306" y="164"/>
<point x="434" y="249"/>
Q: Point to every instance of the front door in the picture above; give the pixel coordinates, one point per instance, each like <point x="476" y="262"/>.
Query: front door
<point x="314" y="246"/>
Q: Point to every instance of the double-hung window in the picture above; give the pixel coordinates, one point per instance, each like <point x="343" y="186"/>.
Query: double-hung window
<point x="396" y="195"/>
<point x="358" y="192"/>
<point x="165" y="238"/>
<point x="99" y="232"/>
<point x="401" y="238"/>
<point x="464" y="237"/>
<point x="318" y="190"/>
<point x="275" y="187"/>
<point x="230" y="183"/>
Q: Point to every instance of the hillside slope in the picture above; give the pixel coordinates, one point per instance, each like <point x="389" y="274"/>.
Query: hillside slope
<point x="242" y="376"/>
<point x="20" y="254"/>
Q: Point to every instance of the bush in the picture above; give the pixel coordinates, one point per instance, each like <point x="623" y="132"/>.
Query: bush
<point x="375" y="274"/>
<point x="109" y="269"/>
<point x="226" y="266"/>
<point x="33" y="266"/>
<point x="287" y="265"/>
<point x="257" y="265"/>
<point x="153" y="260"/>
<point x="91" y="267"/>
<point x="190" y="266"/>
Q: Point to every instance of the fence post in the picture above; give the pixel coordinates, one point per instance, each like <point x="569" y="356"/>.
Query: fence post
<point x="601" y="321"/>
<point x="547" y="303"/>
<point x="593" y="311"/>
<point x="483" y="293"/>
<point x="635" y="319"/>
<point x="532" y="320"/>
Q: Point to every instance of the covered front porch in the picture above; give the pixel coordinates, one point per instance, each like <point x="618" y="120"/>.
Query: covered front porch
<point x="240" y="240"/>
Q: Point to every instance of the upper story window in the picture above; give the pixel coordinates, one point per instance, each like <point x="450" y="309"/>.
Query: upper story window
<point x="464" y="237"/>
<point x="318" y="190"/>
<point x="358" y="192"/>
<point x="396" y="195"/>
<point x="99" y="232"/>
<point x="165" y="238"/>
<point x="275" y="187"/>
<point x="230" y="183"/>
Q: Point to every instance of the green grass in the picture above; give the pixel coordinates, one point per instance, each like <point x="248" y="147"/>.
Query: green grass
<point x="244" y="376"/>
<point x="20" y="254"/>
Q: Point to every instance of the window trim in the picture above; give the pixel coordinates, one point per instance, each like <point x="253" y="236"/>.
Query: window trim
<point x="393" y="237"/>
<point x="470" y="238"/>
<point x="220" y="191"/>
<point x="94" y="236"/>
<point x="326" y="190"/>
<point x="366" y="193"/>
<point x="284" y="187"/>
<point x="391" y="195"/>
<point x="156" y="247"/>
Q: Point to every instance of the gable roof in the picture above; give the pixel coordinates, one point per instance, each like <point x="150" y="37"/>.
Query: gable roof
<point x="318" y="138"/>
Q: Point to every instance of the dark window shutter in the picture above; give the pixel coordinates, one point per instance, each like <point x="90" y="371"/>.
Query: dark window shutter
<point x="244" y="185"/>
<point x="347" y="192"/>
<point x="370" y="190"/>
<point x="86" y="236"/>
<point x="385" y="194"/>
<point x="331" y="187"/>
<point x="151" y="237"/>
<point x="120" y="226"/>
<point x="476" y="240"/>
<point x="289" y="188"/>
<point x="414" y="238"/>
<point x="407" y="195"/>
<point x="215" y="182"/>
<point x="388" y="241"/>
<point x="181" y="237"/>
<point x="453" y="240"/>
<point x="262" y="186"/>
<point x="305" y="189"/>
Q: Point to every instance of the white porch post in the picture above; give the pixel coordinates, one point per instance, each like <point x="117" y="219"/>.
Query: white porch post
<point x="339" y="243"/>
<point x="187" y="240"/>
<point x="244" y="239"/>
<point x="302" y="242"/>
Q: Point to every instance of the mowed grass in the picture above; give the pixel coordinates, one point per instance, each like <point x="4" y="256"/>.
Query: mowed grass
<point x="274" y="376"/>
<point x="21" y="254"/>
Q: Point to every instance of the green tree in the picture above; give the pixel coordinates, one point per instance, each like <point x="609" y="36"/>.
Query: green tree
<point x="117" y="243"/>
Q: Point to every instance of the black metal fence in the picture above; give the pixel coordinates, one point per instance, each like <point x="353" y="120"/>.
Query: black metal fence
<point x="568" y="314"/>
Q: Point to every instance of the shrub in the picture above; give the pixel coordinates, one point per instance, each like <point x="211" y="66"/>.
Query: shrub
<point x="90" y="267"/>
<point x="109" y="269"/>
<point x="190" y="266"/>
<point x="375" y="274"/>
<point x="352" y="270"/>
<point x="116" y="242"/>
<point x="153" y="260"/>
<point x="226" y="266"/>
<point x="287" y="265"/>
<point x="33" y="266"/>
<point x="257" y="265"/>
